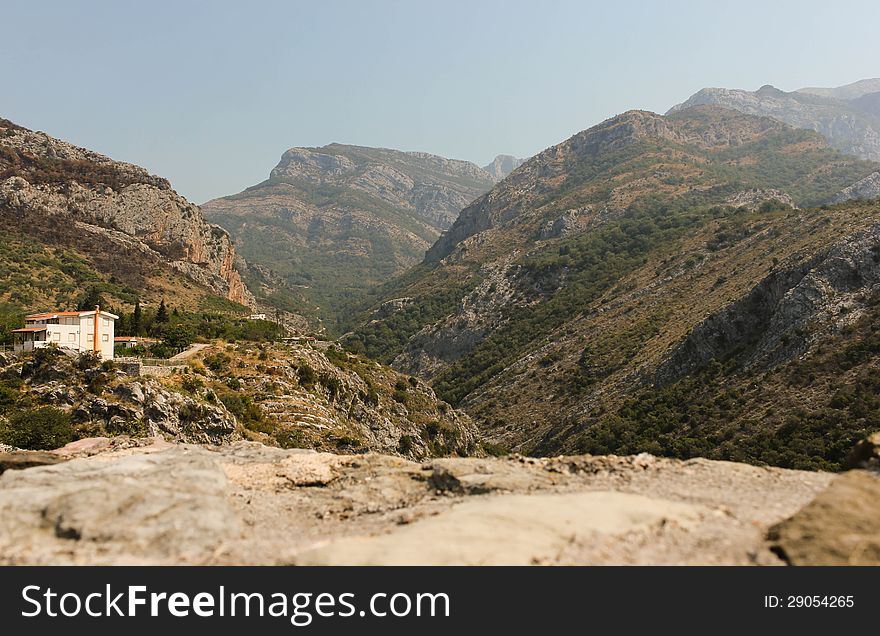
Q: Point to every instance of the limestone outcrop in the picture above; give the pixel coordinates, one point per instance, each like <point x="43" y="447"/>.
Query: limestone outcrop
<point x="155" y="503"/>
<point x="46" y="176"/>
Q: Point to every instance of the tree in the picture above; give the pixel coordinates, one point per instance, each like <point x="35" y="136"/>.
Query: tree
<point x="136" y="320"/>
<point x="11" y="317"/>
<point x="162" y="313"/>
<point x="178" y="337"/>
<point x="37" y="429"/>
<point x="90" y="300"/>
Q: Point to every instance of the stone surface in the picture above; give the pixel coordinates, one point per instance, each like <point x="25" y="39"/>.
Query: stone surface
<point x="247" y="503"/>
<point x="21" y="459"/>
<point x="840" y="527"/>
<point x="866" y="454"/>
<point x="508" y="530"/>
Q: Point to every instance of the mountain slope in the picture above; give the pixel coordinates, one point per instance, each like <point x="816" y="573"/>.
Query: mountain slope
<point x="847" y="116"/>
<point x="71" y="219"/>
<point x="558" y="294"/>
<point x="331" y="221"/>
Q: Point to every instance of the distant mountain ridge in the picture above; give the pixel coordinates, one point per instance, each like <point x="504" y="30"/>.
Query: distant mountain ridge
<point x="846" y="92"/>
<point x="848" y="116"/>
<point x="331" y="221"/>
<point x="502" y="166"/>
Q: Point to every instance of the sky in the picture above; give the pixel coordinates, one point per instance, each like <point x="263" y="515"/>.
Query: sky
<point x="209" y="94"/>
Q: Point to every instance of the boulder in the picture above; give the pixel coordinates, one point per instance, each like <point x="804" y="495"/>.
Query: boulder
<point x="865" y="454"/>
<point x="21" y="459"/>
<point x="841" y="526"/>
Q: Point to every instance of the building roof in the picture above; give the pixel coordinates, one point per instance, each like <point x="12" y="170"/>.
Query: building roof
<point x="29" y="329"/>
<point x="125" y="338"/>
<point x="58" y="314"/>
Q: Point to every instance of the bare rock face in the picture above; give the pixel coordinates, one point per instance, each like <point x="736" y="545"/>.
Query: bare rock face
<point x="502" y="166"/>
<point x="251" y="504"/>
<point x="840" y="115"/>
<point x="43" y="175"/>
<point x="866" y="189"/>
<point x="765" y="324"/>
<point x="752" y="199"/>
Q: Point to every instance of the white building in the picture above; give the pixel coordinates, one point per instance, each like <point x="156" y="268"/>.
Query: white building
<point x="75" y="330"/>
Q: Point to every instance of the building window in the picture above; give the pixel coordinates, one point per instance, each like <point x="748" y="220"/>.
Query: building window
<point x="105" y="337"/>
<point x="56" y="336"/>
<point x="71" y="337"/>
<point x="105" y="322"/>
<point x="89" y="336"/>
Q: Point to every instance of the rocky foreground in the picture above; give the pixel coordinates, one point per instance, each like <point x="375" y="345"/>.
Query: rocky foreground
<point x="122" y="501"/>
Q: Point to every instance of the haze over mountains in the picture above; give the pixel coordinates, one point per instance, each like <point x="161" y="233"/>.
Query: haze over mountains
<point x="332" y="221"/>
<point x="653" y="282"/>
<point x="848" y="116"/>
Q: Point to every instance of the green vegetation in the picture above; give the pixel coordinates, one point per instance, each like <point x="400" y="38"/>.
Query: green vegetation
<point x="594" y="263"/>
<point x="41" y="428"/>
<point x="806" y="414"/>
<point x="382" y="340"/>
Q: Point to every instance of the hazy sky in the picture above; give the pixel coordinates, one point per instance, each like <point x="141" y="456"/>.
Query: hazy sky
<point x="209" y="94"/>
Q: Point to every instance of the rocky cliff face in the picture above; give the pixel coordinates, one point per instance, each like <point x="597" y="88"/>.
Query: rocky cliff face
<point x="334" y="220"/>
<point x="787" y="312"/>
<point x="845" y="116"/>
<point x="251" y="504"/>
<point x="502" y="166"/>
<point x="551" y="170"/>
<point x="867" y="189"/>
<point x="46" y="176"/>
<point x="293" y="396"/>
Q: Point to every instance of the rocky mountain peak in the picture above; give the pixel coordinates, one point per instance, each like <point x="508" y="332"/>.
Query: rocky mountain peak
<point x="342" y="217"/>
<point x="502" y="166"/>
<point x="847" y="116"/>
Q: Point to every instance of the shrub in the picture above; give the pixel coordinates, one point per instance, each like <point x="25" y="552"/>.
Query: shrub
<point x="191" y="384"/>
<point x="290" y="438"/>
<point x="307" y="375"/>
<point x="217" y="362"/>
<point x="333" y="385"/>
<point x="405" y="445"/>
<point x="43" y="428"/>
<point x="8" y="397"/>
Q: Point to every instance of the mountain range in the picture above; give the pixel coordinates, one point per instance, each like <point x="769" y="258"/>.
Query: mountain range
<point x="643" y="269"/>
<point x="847" y="116"/>
<point x="699" y="283"/>
<point x="333" y="221"/>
